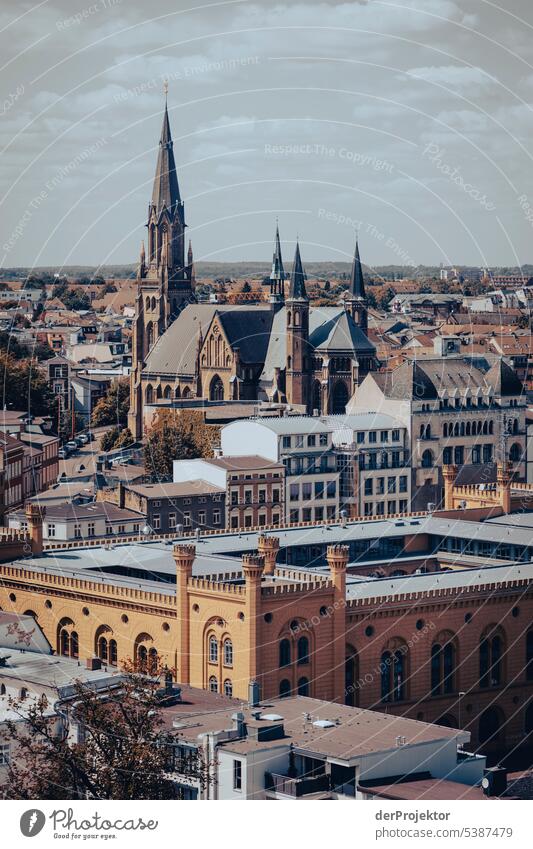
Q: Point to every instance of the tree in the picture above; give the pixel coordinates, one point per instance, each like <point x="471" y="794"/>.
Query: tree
<point x="113" y="408"/>
<point x="116" y="437"/>
<point x="177" y="435"/>
<point x="124" y="751"/>
<point x="246" y="287"/>
<point x="24" y="386"/>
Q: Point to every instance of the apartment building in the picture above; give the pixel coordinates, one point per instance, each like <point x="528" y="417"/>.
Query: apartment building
<point x="304" y="445"/>
<point x="168" y="507"/>
<point x="457" y="411"/>
<point x="70" y="522"/>
<point x="373" y="461"/>
<point x="254" y="488"/>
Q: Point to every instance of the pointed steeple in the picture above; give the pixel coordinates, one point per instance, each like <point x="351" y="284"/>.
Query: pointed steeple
<point x="297" y="287"/>
<point x="189" y="254"/>
<point x="357" y="282"/>
<point x="166" y="191"/>
<point x="278" y="272"/>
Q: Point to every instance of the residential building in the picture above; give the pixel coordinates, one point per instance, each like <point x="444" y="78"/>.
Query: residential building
<point x="11" y="473"/>
<point x="299" y="747"/>
<point x="373" y="461"/>
<point x="457" y="412"/>
<point x="304" y="444"/>
<point x="254" y="487"/>
<point x="174" y="507"/>
<point x="75" y="522"/>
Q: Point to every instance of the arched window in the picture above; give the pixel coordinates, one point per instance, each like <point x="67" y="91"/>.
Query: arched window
<point x="284" y="689"/>
<point x="228" y="688"/>
<point x="317" y="396"/>
<point x="491" y="426"/>
<point x="443" y="666"/>
<point x="152" y="661"/>
<point x="529" y="655"/>
<point x="159" y="392"/>
<point x="284" y="653"/>
<point x="445" y="429"/>
<point x="2" y="689"/>
<point x="167" y="392"/>
<point x="468" y="428"/>
<point x="216" y="389"/>
<point x="74" y="644"/>
<point x="186" y="393"/>
<point x="515" y="454"/>
<point x="447" y="456"/>
<point x="303" y="686"/>
<point x="485" y="427"/>
<point x="149" y="394"/>
<point x="351" y="674"/>
<point x="228" y="653"/>
<point x="303" y="650"/>
<point x="150" y="334"/>
<point x="113" y="652"/>
<point x="340" y="397"/>
<point x="213" y="649"/>
<point x="427" y="459"/>
<point x="64" y="642"/>
<point x="102" y="648"/>
<point x="177" y="392"/>
<point x="491" y="660"/>
<point x="213" y="684"/>
<point x="462" y="429"/>
<point x="23" y="694"/>
<point x="393" y="674"/>
<point x="142" y="657"/>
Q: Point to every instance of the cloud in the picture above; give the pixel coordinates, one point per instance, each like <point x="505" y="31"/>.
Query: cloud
<point x="459" y="78"/>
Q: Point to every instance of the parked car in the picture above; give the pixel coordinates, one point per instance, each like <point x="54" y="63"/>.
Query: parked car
<point x="79" y="441"/>
<point x="63" y="453"/>
<point x="82" y="438"/>
<point x="72" y="445"/>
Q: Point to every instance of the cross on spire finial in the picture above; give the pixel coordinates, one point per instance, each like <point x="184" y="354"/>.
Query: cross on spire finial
<point x="165" y="88"/>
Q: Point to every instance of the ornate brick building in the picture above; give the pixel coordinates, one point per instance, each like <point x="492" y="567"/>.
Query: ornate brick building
<point x="454" y="647"/>
<point x="289" y="352"/>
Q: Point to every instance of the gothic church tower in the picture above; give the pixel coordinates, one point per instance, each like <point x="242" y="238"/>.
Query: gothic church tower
<point x="163" y="278"/>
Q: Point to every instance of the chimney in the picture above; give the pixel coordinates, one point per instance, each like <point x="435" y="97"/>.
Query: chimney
<point x="34" y="516"/>
<point x="253" y="694"/>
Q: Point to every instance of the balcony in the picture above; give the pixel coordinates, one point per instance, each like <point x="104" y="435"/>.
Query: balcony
<point x="296" y="788"/>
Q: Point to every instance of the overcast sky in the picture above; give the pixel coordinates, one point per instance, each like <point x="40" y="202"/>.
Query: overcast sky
<point x="410" y="119"/>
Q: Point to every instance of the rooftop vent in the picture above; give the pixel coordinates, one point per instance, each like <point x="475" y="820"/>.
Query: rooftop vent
<point x="271" y="717"/>
<point x="323" y="723"/>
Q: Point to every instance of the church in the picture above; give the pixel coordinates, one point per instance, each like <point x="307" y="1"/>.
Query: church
<point x="280" y="351"/>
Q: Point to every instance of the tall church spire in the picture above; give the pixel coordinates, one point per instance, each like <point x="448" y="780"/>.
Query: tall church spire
<point x="357" y="282"/>
<point x="166" y="191"/>
<point x="355" y="301"/>
<point x="277" y="275"/>
<point x="297" y="287"/>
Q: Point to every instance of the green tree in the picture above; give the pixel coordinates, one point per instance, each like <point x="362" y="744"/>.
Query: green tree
<point x="124" y="753"/>
<point x="24" y="386"/>
<point x="113" y="408"/>
<point x="177" y="435"/>
<point x="246" y="287"/>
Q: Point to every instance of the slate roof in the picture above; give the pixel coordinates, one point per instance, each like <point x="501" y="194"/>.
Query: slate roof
<point x="166" y="191"/>
<point x="330" y="329"/>
<point x="504" y="379"/>
<point x="175" y="351"/>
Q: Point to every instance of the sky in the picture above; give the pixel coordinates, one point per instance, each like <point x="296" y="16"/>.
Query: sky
<point x="410" y="122"/>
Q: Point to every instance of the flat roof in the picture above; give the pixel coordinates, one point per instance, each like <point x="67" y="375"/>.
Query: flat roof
<point x="435" y="789"/>
<point x="241" y="463"/>
<point x="294" y="424"/>
<point x="353" y="734"/>
<point x="175" y="490"/>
